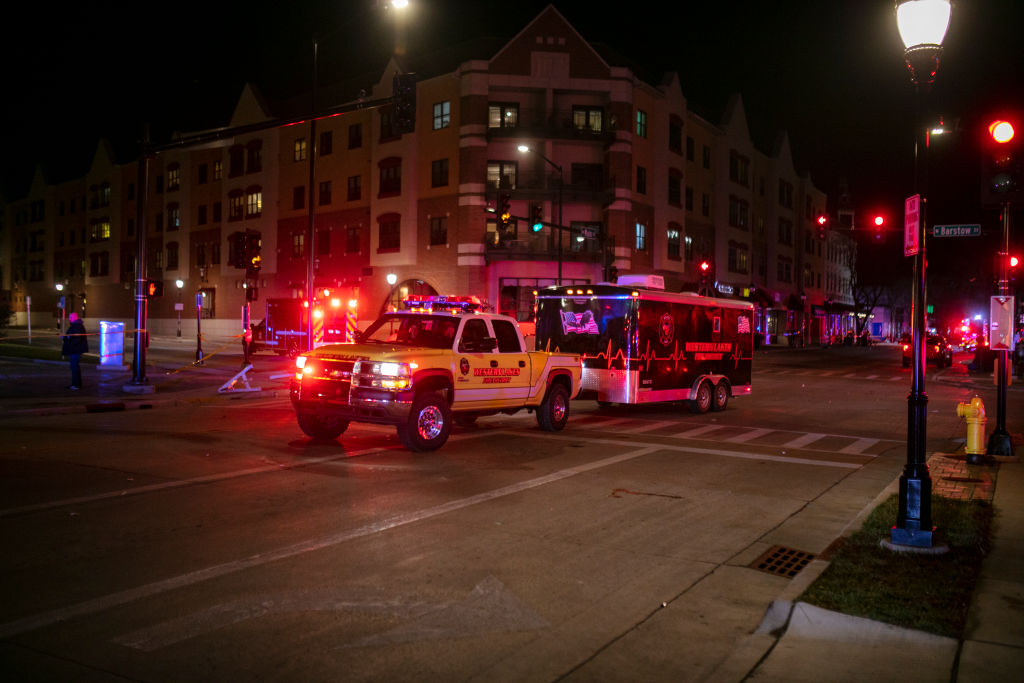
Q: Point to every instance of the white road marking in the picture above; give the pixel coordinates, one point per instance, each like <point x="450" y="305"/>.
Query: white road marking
<point x="650" y="426"/>
<point x="112" y="600"/>
<point x="211" y="478"/>
<point x="802" y="441"/>
<point x="696" y="432"/>
<point x="749" y="436"/>
<point x="859" y="446"/>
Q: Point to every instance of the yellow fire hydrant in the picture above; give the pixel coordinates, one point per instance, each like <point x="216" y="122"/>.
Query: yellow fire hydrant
<point x="974" y="413"/>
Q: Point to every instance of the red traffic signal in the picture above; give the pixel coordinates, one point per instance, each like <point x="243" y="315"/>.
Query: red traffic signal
<point x="1002" y="171"/>
<point x="879" y="221"/>
<point x="1014" y="261"/>
<point x="1001" y="131"/>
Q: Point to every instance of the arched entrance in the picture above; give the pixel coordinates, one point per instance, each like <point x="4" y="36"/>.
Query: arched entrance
<point x="403" y="289"/>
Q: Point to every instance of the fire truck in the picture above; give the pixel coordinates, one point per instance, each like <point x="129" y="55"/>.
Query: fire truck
<point x="286" y="325"/>
<point x="641" y="344"/>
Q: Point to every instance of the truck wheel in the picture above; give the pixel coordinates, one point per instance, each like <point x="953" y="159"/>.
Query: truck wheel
<point x="702" y="403"/>
<point x="720" y="397"/>
<point x="553" y="412"/>
<point x="428" y="425"/>
<point x="321" y="427"/>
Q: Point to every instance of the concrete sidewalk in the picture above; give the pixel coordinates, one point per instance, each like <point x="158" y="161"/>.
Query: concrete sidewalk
<point x="800" y="642"/>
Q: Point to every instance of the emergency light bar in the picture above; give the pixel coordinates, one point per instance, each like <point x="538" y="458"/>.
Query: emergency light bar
<point x="428" y="302"/>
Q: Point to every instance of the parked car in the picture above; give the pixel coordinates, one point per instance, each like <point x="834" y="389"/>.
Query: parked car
<point x="937" y="351"/>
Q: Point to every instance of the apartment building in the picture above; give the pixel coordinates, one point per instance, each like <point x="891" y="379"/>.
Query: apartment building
<point x="624" y="177"/>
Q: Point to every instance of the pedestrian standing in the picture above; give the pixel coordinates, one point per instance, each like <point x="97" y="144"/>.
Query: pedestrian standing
<point x="75" y="344"/>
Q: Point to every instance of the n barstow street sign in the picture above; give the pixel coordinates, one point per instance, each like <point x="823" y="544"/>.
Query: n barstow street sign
<point x="967" y="230"/>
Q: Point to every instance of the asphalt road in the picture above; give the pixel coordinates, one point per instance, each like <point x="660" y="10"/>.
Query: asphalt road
<point x="212" y="540"/>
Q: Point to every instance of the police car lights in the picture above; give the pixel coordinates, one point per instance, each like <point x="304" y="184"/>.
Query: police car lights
<point x="433" y="302"/>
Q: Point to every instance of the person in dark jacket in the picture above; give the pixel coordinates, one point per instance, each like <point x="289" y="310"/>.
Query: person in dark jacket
<point x="75" y="344"/>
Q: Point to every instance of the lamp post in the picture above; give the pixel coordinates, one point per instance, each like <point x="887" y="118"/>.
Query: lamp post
<point x="561" y="184"/>
<point x="179" y="306"/>
<point x="922" y="26"/>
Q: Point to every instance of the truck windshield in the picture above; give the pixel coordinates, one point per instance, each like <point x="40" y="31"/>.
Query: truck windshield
<point x="583" y="325"/>
<point x="431" y="331"/>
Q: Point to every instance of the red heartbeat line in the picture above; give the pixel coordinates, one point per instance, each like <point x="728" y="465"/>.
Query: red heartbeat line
<point x="645" y="358"/>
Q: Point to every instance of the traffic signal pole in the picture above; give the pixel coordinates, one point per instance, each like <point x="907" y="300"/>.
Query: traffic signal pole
<point x="999" y="442"/>
<point x="139" y="383"/>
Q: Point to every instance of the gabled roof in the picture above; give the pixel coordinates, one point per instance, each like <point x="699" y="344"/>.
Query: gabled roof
<point x="549" y="32"/>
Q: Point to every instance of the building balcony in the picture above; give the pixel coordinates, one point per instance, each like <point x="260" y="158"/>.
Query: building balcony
<point x="527" y="246"/>
<point x="543" y="186"/>
<point x="558" y="124"/>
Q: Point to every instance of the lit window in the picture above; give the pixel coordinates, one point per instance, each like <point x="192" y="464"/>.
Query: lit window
<point x="442" y="115"/>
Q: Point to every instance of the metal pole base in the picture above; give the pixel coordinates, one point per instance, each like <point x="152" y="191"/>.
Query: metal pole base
<point x="1000" y="443"/>
<point x="914" y="519"/>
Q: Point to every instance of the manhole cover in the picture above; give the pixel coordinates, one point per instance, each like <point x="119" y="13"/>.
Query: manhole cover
<point x="782" y="561"/>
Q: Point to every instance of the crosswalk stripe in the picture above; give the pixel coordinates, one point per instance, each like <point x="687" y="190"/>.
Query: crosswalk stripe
<point x="859" y="446"/>
<point x="749" y="436"/>
<point x="802" y="441"/>
<point x="650" y="426"/>
<point x="696" y="432"/>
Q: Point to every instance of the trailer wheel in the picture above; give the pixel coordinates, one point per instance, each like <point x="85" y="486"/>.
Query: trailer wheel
<point x="321" y="427"/>
<point x="720" y="399"/>
<point x="428" y="425"/>
<point x="702" y="403"/>
<point x="554" y="409"/>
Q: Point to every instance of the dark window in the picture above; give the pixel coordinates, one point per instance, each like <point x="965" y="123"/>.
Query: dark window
<point x="641" y="180"/>
<point x="390" y="233"/>
<point x="355" y="136"/>
<point x="508" y="338"/>
<point x="323" y="242"/>
<point x="439" y="173"/>
<point x="216" y="212"/>
<point x="202" y="174"/>
<point x="326" y="143"/>
<point x="172" y="256"/>
<point x="689" y="148"/>
<point x="355" y="187"/>
<point x="255" y="157"/>
<point x="675" y="189"/>
<point x="438" y="230"/>
<point x="390" y="177"/>
<point x="325" y="193"/>
<point x="299" y="197"/>
<point x="352" y="239"/>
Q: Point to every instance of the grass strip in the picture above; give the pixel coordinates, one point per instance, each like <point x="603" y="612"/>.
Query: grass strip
<point x="924" y="592"/>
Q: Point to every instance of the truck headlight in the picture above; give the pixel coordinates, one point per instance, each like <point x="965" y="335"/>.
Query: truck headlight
<point x="392" y="376"/>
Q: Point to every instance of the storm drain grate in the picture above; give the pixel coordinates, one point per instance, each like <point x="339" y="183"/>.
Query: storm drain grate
<point x="782" y="561"/>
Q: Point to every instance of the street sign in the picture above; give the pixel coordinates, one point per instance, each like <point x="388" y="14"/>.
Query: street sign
<point x="965" y="230"/>
<point x="912" y="225"/>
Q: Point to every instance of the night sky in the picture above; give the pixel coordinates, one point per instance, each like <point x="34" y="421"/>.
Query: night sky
<point x="830" y="72"/>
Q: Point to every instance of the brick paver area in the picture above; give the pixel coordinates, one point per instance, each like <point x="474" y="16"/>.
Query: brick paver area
<point x="953" y="477"/>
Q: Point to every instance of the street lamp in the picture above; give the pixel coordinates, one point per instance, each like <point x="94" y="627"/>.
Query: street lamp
<point x="558" y="228"/>
<point x="179" y="306"/>
<point x="922" y="26"/>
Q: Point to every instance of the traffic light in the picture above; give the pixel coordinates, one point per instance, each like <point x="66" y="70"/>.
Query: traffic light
<point x="822" y="224"/>
<point x="253" y="246"/>
<point x="1002" y="173"/>
<point x="705" y="275"/>
<point x="404" y="97"/>
<point x="878" y="235"/>
<point x="154" y="288"/>
<point x="236" y="249"/>
<point x="536" y="217"/>
<point x="504" y="211"/>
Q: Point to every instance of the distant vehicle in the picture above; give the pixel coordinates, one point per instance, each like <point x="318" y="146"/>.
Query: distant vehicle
<point x="937" y="351"/>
